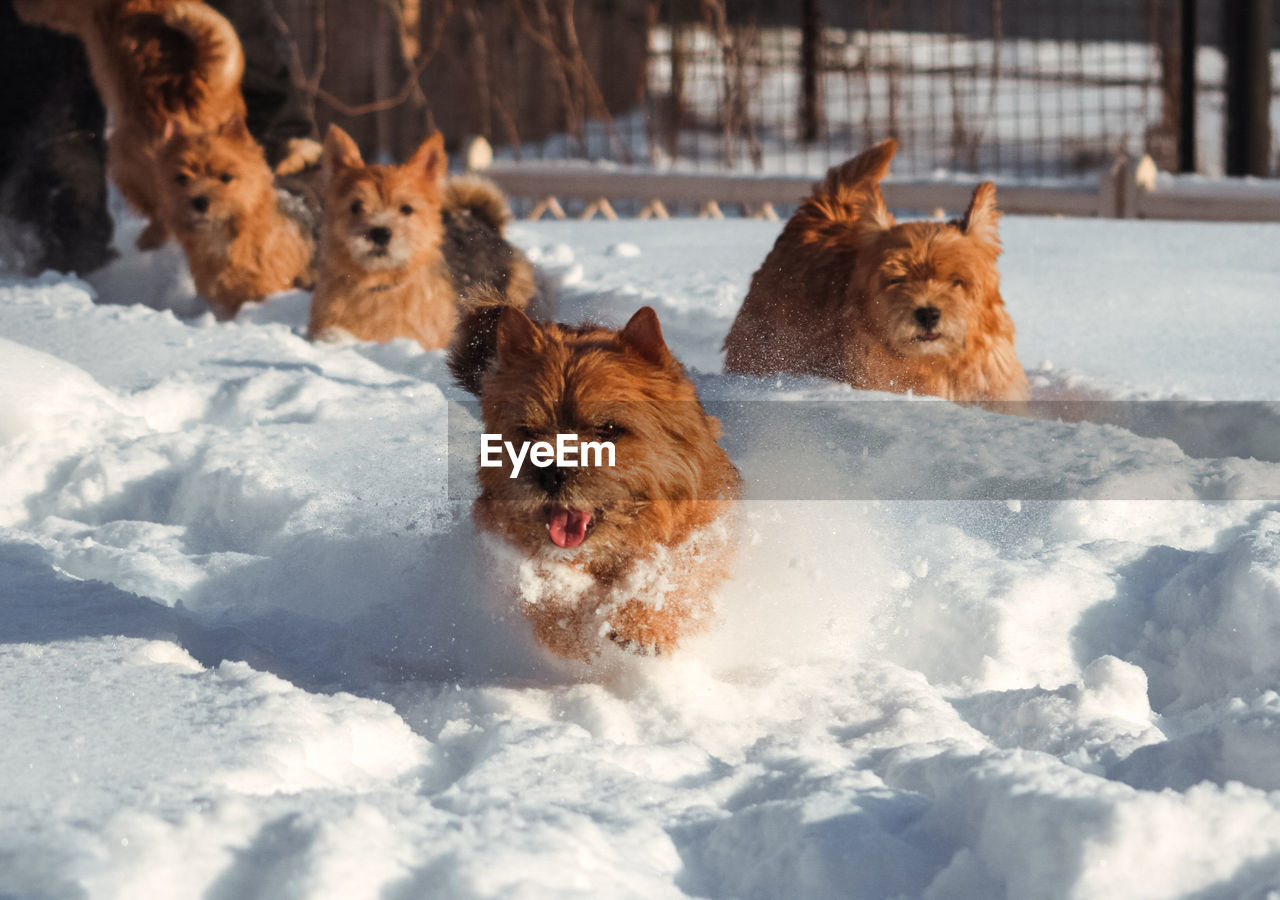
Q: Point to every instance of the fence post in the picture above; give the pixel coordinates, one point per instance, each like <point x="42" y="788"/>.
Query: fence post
<point x="1246" y="36"/>
<point x="478" y="154"/>
<point x="677" y="12"/>
<point x="811" y="72"/>
<point x="1118" y="190"/>
<point x="1187" y="88"/>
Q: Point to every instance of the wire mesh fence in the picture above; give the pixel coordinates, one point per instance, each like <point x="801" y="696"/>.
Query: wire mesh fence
<point x="1042" y="89"/>
<point x="1045" y="89"/>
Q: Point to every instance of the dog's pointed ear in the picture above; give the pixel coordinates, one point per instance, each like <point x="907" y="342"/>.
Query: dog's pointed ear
<point x="870" y="166"/>
<point x="857" y="184"/>
<point x="340" y="152"/>
<point x="430" y="159"/>
<point x="517" y="335"/>
<point x="870" y="213"/>
<point x="173" y="129"/>
<point x="643" y="334"/>
<point x="981" y="219"/>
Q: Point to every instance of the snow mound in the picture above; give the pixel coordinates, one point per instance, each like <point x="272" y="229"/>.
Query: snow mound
<point x="252" y="646"/>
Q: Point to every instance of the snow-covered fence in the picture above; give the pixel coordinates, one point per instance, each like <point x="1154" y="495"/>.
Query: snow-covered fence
<point x="599" y="187"/>
<point x="1125" y="190"/>
<point x="1161" y="195"/>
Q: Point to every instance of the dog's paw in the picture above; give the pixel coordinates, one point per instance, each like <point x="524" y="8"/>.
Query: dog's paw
<point x="638" y="647"/>
<point x="300" y="155"/>
<point x="153" y="236"/>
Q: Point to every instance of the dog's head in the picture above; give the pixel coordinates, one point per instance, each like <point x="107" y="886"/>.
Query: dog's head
<point x="923" y="288"/>
<point x="383" y="217"/>
<point x="622" y="389"/>
<point x="211" y="178"/>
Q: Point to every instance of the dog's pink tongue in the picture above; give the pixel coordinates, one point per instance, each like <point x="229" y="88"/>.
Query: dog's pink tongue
<point x="568" y="527"/>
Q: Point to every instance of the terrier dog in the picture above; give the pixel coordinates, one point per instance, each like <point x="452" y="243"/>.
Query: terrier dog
<point x="848" y="293"/>
<point x="385" y="267"/>
<point x="628" y="553"/>
<point x="241" y="238"/>
<point x="152" y="61"/>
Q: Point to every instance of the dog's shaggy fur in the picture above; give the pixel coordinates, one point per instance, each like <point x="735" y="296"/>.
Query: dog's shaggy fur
<point x="153" y="62"/>
<point x="850" y="294"/>
<point x="478" y="257"/>
<point x="220" y="201"/>
<point x="399" y="243"/>
<point x="628" y="554"/>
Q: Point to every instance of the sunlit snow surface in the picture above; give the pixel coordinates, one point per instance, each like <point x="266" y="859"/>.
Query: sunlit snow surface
<point x="249" y="649"/>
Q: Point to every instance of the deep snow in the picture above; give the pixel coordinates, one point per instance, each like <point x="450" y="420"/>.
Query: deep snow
<point x="249" y="651"/>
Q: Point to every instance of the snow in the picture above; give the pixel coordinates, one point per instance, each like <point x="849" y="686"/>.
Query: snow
<point x="252" y="646"/>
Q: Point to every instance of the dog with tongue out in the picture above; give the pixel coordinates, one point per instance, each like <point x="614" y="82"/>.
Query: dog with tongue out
<point x="568" y="527"/>
<point x="621" y="547"/>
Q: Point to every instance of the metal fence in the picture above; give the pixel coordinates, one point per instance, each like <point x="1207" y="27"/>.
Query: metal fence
<point x="1044" y="89"/>
<point x="1025" y="89"/>
<point x="1037" y="88"/>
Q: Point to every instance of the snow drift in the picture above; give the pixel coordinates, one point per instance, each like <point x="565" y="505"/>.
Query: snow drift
<point x="249" y="649"/>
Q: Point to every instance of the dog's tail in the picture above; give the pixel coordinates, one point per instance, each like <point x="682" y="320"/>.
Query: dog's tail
<point x="475" y="213"/>
<point x="478" y="196"/>
<point x="475" y="340"/>
<point x="219" y="57"/>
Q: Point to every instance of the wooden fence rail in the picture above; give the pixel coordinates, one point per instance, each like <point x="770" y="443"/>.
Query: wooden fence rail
<point x="1127" y="190"/>
<point x="1164" y="196"/>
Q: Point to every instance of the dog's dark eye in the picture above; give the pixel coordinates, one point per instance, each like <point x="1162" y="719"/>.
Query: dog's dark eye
<point x="892" y="280"/>
<point x="525" y="434"/>
<point x="959" y="283"/>
<point x="407" y="209"/>
<point x="182" y="178"/>
<point x="356" y="207"/>
<point x="226" y="177"/>
<point x="610" y="431"/>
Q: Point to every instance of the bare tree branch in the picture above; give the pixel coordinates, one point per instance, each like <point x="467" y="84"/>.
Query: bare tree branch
<point x="409" y="89"/>
<point x="735" y="111"/>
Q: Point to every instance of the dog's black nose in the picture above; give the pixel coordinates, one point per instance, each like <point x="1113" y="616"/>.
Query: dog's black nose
<point x="928" y="316"/>
<point x="551" y="479"/>
<point x="200" y="204"/>
<point x="380" y="235"/>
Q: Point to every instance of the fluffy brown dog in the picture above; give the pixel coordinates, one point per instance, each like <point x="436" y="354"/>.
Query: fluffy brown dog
<point x="153" y="62"/>
<point x="219" y="200"/>
<point x="385" y="263"/>
<point x="628" y="553"/>
<point x="848" y="293"/>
